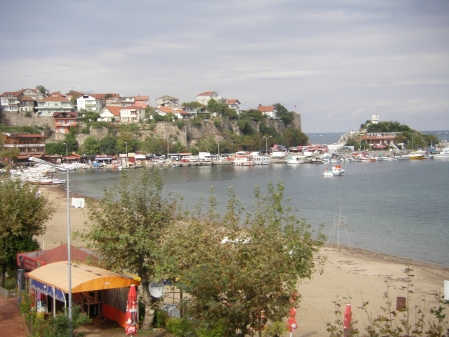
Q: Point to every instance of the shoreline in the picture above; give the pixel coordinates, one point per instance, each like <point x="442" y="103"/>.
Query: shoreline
<point x="349" y="273"/>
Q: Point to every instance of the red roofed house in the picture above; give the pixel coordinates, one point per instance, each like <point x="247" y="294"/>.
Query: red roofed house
<point x="132" y="114"/>
<point x="142" y="101"/>
<point x="234" y="104"/>
<point x="63" y="121"/>
<point x="55" y="102"/>
<point x="167" y="101"/>
<point x="268" y="110"/>
<point x="110" y="113"/>
<point x="92" y="103"/>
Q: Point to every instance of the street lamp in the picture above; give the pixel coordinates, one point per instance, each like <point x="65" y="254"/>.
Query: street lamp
<point x="232" y="141"/>
<point x="126" y="151"/>
<point x="218" y="144"/>
<point x="66" y="153"/>
<point x="266" y="144"/>
<point x="69" y="258"/>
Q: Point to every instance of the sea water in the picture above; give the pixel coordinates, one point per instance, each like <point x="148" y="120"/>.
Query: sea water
<point x="397" y="208"/>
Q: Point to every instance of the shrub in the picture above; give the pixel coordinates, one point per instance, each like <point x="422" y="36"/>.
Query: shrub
<point x="161" y="319"/>
<point x="217" y="123"/>
<point x="180" y="327"/>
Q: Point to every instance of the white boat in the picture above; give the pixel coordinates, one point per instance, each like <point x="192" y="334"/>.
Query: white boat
<point x="328" y="173"/>
<point x="243" y="160"/>
<point x="337" y="170"/>
<point x="416" y="156"/>
<point x="443" y="154"/>
<point x="295" y="160"/>
<point x="261" y="160"/>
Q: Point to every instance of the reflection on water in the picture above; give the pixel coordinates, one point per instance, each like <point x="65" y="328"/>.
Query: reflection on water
<point x="397" y="208"/>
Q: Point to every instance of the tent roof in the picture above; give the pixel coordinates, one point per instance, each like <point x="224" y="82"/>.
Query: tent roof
<point x="60" y="254"/>
<point x="84" y="277"/>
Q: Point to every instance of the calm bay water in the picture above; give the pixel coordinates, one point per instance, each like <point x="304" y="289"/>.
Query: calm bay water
<point x="397" y="208"/>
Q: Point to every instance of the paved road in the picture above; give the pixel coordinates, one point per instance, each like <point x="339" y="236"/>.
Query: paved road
<point x="11" y="320"/>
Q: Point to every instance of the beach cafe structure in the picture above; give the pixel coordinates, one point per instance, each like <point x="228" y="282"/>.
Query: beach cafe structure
<point x="98" y="292"/>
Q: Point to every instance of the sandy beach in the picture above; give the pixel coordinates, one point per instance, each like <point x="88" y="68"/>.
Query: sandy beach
<point x="348" y="273"/>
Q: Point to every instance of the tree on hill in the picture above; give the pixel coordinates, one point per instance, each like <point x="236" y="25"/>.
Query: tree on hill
<point x="126" y="227"/>
<point x="284" y="114"/>
<point x="108" y="144"/>
<point x="241" y="273"/>
<point x="23" y="214"/>
<point x="43" y="90"/>
<point x="193" y="104"/>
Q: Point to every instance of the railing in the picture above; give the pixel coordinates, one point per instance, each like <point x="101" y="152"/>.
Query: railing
<point x="8" y="293"/>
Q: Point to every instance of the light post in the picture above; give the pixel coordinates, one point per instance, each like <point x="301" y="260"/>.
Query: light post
<point x="66" y="153"/>
<point x="232" y="141"/>
<point x="218" y="144"/>
<point x="69" y="254"/>
<point x="266" y="144"/>
<point x="126" y="151"/>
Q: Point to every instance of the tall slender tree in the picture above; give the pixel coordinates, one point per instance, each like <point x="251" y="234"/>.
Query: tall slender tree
<point x="23" y="214"/>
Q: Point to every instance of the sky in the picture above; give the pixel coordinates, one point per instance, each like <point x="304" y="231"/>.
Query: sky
<point x="335" y="62"/>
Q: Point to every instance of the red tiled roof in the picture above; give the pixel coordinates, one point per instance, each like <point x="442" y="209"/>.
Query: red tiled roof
<point x="233" y="101"/>
<point x="267" y="108"/>
<point x="54" y="99"/>
<point x="166" y="110"/>
<point x="141" y="98"/>
<point x="15" y="93"/>
<point x="206" y="93"/>
<point x="115" y="110"/>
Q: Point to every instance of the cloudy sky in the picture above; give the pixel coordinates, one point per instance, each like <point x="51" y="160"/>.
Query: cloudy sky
<point x="335" y="62"/>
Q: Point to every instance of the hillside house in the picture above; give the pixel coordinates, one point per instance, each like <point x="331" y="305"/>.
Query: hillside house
<point x="63" y="121"/>
<point x="206" y="96"/>
<point x="55" y="102"/>
<point x="110" y="113"/>
<point x="267" y="110"/>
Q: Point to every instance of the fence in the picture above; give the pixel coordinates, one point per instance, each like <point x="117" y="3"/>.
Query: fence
<point x="8" y="293"/>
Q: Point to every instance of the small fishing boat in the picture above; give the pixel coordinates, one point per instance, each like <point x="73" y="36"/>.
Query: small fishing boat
<point x="328" y="173"/>
<point x="337" y="170"/>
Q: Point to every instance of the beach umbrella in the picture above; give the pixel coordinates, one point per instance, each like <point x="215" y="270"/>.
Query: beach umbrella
<point x="131" y="312"/>
<point x="291" y="321"/>
<point x="347" y="318"/>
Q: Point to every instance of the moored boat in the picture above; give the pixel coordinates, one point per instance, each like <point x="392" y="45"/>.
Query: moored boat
<point x="294" y="160"/>
<point x="416" y="156"/>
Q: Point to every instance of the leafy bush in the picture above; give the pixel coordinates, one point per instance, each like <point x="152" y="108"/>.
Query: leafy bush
<point x="196" y="122"/>
<point x="161" y="319"/>
<point x="217" y="123"/>
<point x="180" y="327"/>
<point x="179" y="124"/>
<point x="276" y="329"/>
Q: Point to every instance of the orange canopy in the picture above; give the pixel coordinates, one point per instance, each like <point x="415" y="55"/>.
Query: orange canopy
<point x="84" y="277"/>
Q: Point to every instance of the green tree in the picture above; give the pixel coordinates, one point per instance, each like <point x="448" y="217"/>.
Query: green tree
<point x="44" y="91"/>
<point x="284" y="114"/>
<point x="294" y="137"/>
<point x="108" y="144"/>
<point x="235" y="270"/>
<point x="91" y="145"/>
<point x="126" y="227"/>
<point x="23" y="214"/>
<point x="153" y="145"/>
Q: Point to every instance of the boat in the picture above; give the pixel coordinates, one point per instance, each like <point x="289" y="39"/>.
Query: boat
<point x="337" y="170"/>
<point x="328" y="173"/>
<point x="261" y="160"/>
<point x="243" y="160"/>
<point x="295" y="160"/>
<point x="416" y="156"/>
<point x="443" y="153"/>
